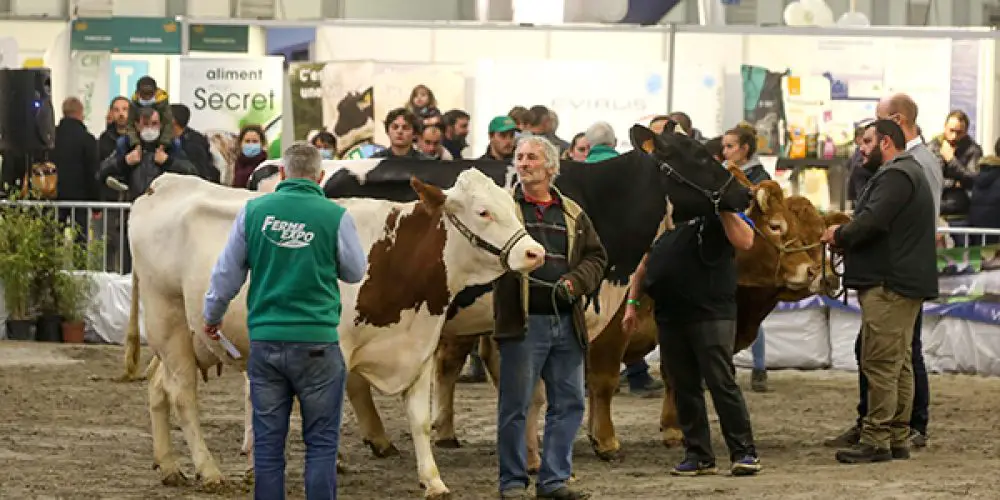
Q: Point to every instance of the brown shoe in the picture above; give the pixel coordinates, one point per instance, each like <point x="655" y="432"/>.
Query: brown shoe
<point x="564" y="493"/>
<point x="849" y="438"/>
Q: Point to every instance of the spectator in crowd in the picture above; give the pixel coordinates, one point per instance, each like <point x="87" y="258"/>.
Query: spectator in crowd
<point x="421" y="100"/>
<point x="149" y="95"/>
<point x="429" y="143"/>
<point x="107" y="143"/>
<point x="858" y="174"/>
<point x="578" y="149"/>
<point x="901" y="109"/>
<point x="501" y="130"/>
<point x="959" y="156"/>
<point x="538" y="121"/>
<point x="602" y="140"/>
<point x="520" y="116"/>
<point x="684" y="122"/>
<point x="690" y="274"/>
<point x="738" y="147"/>
<point x="456" y="131"/>
<point x="194" y="143"/>
<point x="76" y="160"/>
<point x="294" y="349"/>
<point x="984" y="209"/>
<point x="326" y="143"/>
<point x="891" y="260"/>
<point x="544" y="334"/>
<point x="252" y="152"/>
<point x="401" y="126"/>
<point x="141" y="165"/>
<point x="553" y="128"/>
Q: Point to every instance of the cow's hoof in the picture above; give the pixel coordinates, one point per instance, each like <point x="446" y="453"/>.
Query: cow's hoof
<point x="451" y="443"/>
<point x="173" y="478"/>
<point x="388" y="451"/>
<point x="609" y="455"/>
<point x="673" y="438"/>
<point x="438" y="495"/>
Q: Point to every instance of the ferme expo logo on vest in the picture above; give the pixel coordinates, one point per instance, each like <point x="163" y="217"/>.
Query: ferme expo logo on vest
<point x="292" y="234"/>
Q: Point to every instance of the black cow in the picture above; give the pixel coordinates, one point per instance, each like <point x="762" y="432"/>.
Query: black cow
<point x="355" y="119"/>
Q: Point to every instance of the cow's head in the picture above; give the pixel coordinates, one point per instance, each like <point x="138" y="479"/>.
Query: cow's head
<point x="783" y="251"/>
<point x="355" y="119"/>
<point x="691" y="176"/>
<point x="485" y="236"/>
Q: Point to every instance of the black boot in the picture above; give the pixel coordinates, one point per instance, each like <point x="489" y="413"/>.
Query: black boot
<point x="863" y="454"/>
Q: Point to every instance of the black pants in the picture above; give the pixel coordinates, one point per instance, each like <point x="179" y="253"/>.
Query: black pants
<point x="921" y="389"/>
<point x="689" y="353"/>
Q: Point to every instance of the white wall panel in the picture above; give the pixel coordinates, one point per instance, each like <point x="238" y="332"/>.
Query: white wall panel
<point x="298" y="9"/>
<point x="698" y="49"/>
<point x="209" y="8"/>
<point x="50" y="8"/>
<point x="151" y="8"/>
<point x="405" y="10"/>
<point x="33" y="37"/>
<point x="608" y="45"/>
<point x="464" y="45"/>
<point x="347" y="43"/>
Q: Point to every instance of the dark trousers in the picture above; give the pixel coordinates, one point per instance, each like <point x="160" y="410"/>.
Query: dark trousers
<point x="921" y="389"/>
<point x="695" y="351"/>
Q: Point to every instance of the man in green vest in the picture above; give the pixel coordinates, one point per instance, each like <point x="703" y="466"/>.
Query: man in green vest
<point x="296" y="245"/>
<point x="602" y="140"/>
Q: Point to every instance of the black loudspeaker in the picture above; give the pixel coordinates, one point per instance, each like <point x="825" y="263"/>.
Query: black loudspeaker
<point x="27" y="119"/>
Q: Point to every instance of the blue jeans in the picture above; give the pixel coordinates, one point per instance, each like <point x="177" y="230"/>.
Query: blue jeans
<point x="757" y="349"/>
<point x="552" y="350"/>
<point x="316" y="374"/>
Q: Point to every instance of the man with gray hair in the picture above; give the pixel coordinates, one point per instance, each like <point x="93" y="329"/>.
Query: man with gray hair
<point x="602" y="142"/>
<point x="297" y="246"/>
<point x="544" y="333"/>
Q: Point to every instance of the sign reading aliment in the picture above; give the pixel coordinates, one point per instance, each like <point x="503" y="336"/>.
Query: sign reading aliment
<point x="226" y="94"/>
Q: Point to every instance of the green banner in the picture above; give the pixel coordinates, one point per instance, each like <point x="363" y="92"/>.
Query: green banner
<point x="127" y="35"/>
<point x="215" y="38"/>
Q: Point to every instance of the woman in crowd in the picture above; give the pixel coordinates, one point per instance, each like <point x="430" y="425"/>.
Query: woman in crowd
<point x="326" y="143"/>
<point x="578" y="148"/>
<point x="253" y="152"/>
<point x="738" y="147"/>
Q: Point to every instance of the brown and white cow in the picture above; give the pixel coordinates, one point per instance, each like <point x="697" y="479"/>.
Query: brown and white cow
<point x="419" y="255"/>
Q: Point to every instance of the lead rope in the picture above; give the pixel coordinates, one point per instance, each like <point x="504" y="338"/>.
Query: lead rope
<point x="553" y="296"/>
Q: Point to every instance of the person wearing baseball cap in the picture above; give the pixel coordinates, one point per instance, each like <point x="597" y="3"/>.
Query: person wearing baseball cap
<point x="501" y="130"/>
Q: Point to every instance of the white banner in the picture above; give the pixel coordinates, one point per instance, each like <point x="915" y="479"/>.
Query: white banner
<point x="226" y="94"/>
<point x="580" y="92"/>
<point x="91" y="77"/>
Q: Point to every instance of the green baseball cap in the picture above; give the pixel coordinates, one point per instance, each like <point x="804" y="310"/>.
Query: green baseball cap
<point x="502" y="123"/>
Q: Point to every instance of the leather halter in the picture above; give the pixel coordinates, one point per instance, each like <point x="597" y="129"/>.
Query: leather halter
<point x="479" y="242"/>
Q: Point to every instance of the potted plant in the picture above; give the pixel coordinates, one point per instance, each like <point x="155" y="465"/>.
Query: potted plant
<point x="53" y="257"/>
<point x="72" y="293"/>
<point x="21" y="242"/>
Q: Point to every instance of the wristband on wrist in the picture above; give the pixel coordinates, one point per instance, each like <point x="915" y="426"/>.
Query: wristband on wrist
<point x="632" y="302"/>
<point x="746" y="219"/>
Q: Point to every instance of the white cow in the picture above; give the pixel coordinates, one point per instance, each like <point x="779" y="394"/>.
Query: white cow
<point x="419" y="255"/>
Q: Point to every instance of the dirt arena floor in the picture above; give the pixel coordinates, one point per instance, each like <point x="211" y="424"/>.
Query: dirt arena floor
<point x="68" y="432"/>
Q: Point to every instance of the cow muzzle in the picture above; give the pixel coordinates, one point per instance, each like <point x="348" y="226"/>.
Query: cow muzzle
<point x="803" y="276"/>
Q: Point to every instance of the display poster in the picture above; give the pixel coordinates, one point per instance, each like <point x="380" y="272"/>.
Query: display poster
<point x="580" y="92"/>
<point x="125" y="75"/>
<point x="350" y="99"/>
<point x="226" y="94"/>
<point x="90" y="82"/>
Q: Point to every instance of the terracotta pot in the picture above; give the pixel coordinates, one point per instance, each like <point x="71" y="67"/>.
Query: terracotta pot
<point x="72" y="332"/>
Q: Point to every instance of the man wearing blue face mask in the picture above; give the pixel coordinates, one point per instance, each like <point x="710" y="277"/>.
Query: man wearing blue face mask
<point x="149" y="95"/>
<point x="326" y="143"/>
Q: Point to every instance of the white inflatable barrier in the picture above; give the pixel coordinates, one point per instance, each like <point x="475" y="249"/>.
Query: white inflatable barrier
<point x="795" y="336"/>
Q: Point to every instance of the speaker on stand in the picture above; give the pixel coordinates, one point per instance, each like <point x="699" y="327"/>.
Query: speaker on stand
<point x="27" y="121"/>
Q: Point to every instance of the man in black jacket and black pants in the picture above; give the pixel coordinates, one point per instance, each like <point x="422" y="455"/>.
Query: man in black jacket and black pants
<point x="194" y="144"/>
<point x="76" y="162"/>
<point x="890" y="259"/>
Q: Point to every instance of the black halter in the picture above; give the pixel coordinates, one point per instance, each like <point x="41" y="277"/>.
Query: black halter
<point x="479" y="242"/>
<point x="714" y="196"/>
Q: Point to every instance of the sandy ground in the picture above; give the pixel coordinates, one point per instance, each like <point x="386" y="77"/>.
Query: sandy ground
<point x="66" y="431"/>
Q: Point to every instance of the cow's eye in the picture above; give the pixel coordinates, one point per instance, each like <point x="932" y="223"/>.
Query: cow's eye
<point x="485" y="214"/>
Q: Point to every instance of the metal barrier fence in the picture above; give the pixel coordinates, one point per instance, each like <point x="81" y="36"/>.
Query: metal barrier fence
<point x="106" y="223"/>
<point x="99" y="223"/>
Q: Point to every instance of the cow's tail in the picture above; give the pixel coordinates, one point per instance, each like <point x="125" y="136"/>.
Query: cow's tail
<point x="132" y="336"/>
